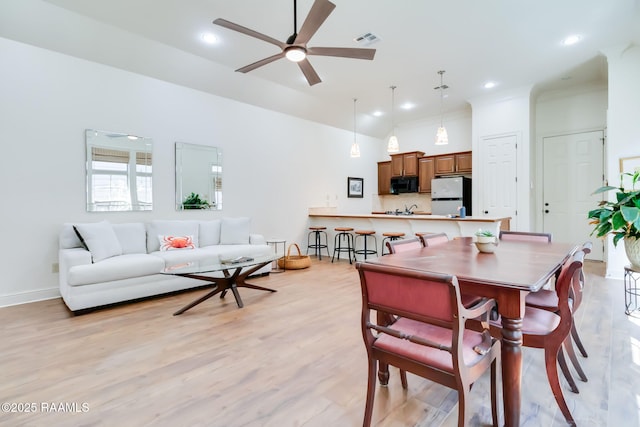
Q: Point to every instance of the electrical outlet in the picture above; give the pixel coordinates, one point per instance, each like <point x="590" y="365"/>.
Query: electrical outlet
<point x="55" y="267"/>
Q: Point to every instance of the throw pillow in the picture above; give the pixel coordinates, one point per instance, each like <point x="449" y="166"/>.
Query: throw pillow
<point x="169" y="243"/>
<point x="157" y="228"/>
<point x="100" y="239"/>
<point x="235" y="231"/>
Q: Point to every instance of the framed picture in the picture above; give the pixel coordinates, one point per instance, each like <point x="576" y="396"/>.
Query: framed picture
<point x="629" y="165"/>
<point x="354" y="187"/>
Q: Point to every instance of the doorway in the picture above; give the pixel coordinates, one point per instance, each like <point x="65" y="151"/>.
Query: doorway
<point x="499" y="177"/>
<point x="573" y="168"/>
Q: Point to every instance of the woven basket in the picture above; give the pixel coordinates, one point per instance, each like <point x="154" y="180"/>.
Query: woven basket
<point x="294" y="262"/>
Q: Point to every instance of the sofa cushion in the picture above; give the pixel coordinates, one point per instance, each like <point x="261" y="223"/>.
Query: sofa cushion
<point x="169" y="228"/>
<point x="100" y="239"/>
<point x="132" y="237"/>
<point x="235" y="231"/>
<point x="209" y="233"/>
<point x="115" y="268"/>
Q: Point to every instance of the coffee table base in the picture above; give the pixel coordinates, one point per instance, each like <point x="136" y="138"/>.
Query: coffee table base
<point x="230" y="281"/>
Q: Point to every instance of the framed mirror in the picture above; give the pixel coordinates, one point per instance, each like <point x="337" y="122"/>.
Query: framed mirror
<point x="198" y="177"/>
<point x="119" y="172"/>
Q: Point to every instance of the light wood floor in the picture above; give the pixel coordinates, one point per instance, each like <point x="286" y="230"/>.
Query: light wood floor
<point x="291" y="358"/>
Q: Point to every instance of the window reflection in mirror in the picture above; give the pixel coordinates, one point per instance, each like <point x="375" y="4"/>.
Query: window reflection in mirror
<point x="198" y="177"/>
<point x="119" y="172"/>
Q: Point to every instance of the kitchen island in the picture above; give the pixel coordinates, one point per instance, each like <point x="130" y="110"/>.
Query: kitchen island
<point x="410" y="224"/>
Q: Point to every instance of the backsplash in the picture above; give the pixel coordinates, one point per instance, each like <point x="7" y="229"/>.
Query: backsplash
<point x="392" y="202"/>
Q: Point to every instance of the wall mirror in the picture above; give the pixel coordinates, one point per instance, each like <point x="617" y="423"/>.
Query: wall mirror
<point x="198" y="177"/>
<point x="119" y="172"/>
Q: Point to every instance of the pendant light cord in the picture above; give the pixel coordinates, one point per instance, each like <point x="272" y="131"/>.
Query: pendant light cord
<point x="393" y="103"/>
<point x="354" y="119"/>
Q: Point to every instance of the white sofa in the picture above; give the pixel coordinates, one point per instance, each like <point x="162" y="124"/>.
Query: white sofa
<point x="103" y="263"/>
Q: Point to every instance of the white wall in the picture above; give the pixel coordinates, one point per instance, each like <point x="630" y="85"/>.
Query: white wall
<point x="275" y="166"/>
<point x="580" y="109"/>
<point x="507" y="112"/>
<point x="623" y="130"/>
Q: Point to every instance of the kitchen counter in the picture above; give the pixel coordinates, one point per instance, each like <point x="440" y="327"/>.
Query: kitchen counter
<point x="411" y="224"/>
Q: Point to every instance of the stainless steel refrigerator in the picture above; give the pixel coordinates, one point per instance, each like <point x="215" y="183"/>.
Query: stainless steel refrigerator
<point x="447" y="194"/>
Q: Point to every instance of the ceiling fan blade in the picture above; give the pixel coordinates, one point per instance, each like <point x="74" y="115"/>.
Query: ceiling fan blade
<point x="343" y="52"/>
<point x="319" y="12"/>
<point x="249" y="32"/>
<point x="308" y="71"/>
<point x="260" y="63"/>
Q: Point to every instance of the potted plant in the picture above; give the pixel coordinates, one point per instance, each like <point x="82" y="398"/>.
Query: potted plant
<point x="194" y="201"/>
<point x="621" y="217"/>
<point x="485" y="236"/>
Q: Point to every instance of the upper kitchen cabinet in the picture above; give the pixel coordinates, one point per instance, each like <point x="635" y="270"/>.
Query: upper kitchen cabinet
<point x="405" y="164"/>
<point x="384" y="177"/>
<point x="426" y="173"/>
<point x="453" y="163"/>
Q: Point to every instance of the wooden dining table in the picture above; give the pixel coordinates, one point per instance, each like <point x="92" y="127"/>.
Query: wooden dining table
<point x="507" y="275"/>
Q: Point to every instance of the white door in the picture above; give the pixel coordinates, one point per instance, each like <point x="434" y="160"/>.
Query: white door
<point x="572" y="170"/>
<point x="499" y="172"/>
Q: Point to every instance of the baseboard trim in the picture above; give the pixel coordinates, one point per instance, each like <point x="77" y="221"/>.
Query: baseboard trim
<point x="27" y="297"/>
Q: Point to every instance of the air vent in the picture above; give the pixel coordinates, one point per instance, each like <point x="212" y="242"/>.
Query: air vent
<point x="367" y="39"/>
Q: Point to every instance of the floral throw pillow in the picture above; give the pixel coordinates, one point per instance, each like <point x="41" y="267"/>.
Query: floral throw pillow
<point x="170" y="243"/>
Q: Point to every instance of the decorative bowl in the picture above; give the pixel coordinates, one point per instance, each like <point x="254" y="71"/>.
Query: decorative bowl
<point x="486" y="248"/>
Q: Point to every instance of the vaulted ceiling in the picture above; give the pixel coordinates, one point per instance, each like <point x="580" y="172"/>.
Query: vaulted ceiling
<point x="515" y="44"/>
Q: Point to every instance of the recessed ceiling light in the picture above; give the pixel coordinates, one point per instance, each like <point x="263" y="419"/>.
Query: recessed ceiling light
<point x="571" y="40"/>
<point x="378" y="113"/>
<point x="208" y="38"/>
<point x="489" y="85"/>
<point x="407" y="106"/>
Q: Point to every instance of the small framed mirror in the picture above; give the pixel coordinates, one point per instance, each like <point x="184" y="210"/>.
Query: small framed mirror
<point x="119" y="172"/>
<point x="198" y="177"/>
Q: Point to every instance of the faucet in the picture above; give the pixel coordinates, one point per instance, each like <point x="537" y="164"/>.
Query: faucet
<point x="408" y="211"/>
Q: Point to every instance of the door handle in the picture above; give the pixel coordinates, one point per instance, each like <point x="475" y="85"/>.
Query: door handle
<point x="486" y="212"/>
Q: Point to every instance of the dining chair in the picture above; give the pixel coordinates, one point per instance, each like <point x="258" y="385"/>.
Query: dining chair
<point x="548" y="330"/>
<point x="425" y="333"/>
<point x="434" y="239"/>
<point x="431" y="239"/>
<point x="547" y="299"/>
<point x="403" y="245"/>
<point x="524" y="236"/>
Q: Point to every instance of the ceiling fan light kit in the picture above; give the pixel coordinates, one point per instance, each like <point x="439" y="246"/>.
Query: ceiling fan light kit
<point x="295" y="48"/>
<point x="441" y="135"/>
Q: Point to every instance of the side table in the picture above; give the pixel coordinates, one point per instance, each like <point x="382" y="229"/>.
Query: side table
<point x="631" y="288"/>
<point x="275" y="243"/>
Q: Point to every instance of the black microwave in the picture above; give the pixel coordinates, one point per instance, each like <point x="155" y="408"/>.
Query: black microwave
<point x="407" y="184"/>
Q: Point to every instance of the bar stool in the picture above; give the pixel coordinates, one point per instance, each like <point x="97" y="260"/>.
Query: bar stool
<point x="317" y="232"/>
<point x="344" y="233"/>
<point x="365" y="234"/>
<point x="391" y="236"/>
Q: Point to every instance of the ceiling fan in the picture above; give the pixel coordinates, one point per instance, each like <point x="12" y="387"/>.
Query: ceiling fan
<point x="295" y="48"/>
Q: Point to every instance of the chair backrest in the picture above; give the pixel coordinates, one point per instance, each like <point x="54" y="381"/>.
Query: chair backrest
<point x="577" y="285"/>
<point x="525" y="236"/>
<point x="403" y="245"/>
<point x="426" y="297"/>
<point x="432" y="239"/>
<point x="571" y="270"/>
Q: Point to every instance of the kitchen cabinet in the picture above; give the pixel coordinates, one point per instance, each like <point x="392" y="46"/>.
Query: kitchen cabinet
<point x="453" y="163"/>
<point x="426" y="172"/>
<point x="405" y="164"/>
<point x="384" y="177"/>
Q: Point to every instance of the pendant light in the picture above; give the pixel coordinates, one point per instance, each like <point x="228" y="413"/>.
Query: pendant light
<point x="441" y="136"/>
<point x="355" y="149"/>
<point x="393" y="146"/>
